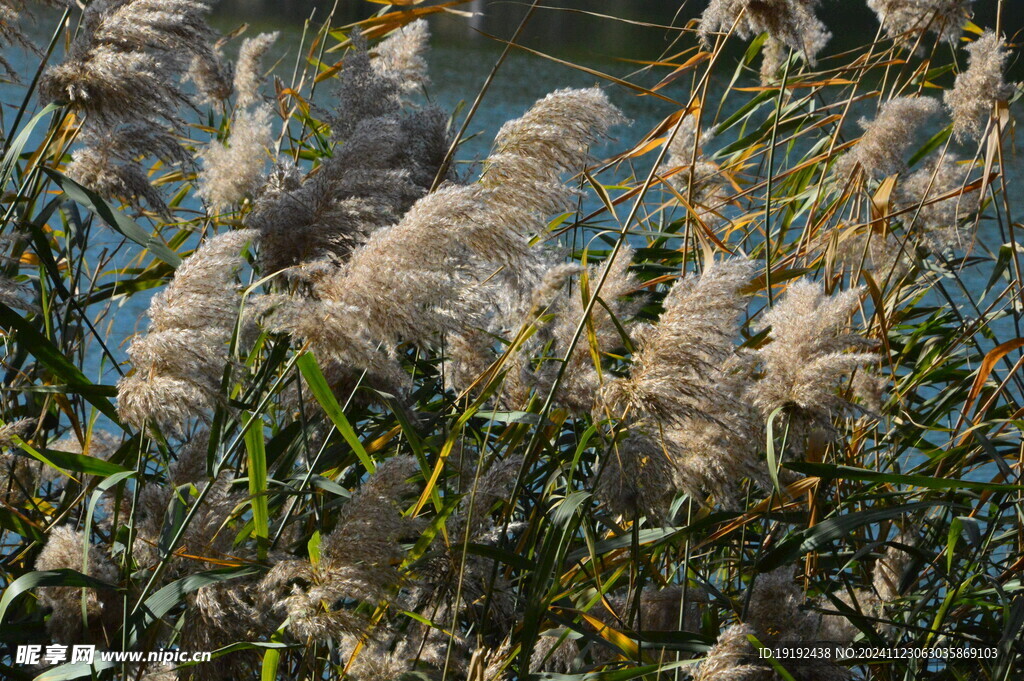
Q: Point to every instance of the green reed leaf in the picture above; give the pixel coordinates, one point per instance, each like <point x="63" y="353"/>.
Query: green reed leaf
<point x="116" y="219"/>
<point x="322" y="392"/>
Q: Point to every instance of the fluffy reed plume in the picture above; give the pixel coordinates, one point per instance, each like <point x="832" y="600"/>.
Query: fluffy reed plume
<point x="776" y="615"/>
<point x="936" y="220"/>
<point x="384" y="159"/>
<point x="391" y="652"/>
<point x="9" y="248"/>
<point x="400" y="56"/>
<point x="694" y="334"/>
<point x="373" y="662"/>
<point x="775" y="608"/>
<point x="468" y="356"/>
<point x="232" y="170"/>
<point x="20" y="428"/>
<point x="223" y="612"/>
<point x="340" y="329"/>
<point x="690" y="429"/>
<point x="358" y="561"/>
<point x="249" y="69"/>
<point x="733" y="658"/>
<point x="892" y="566"/>
<point x="880" y="151"/>
<point x="13" y="294"/>
<point x="10" y="32"/>
<point x="944" y="18"/>
<point x="364" y="93"/>
<point x="108" y="162"/>
<point x="127" y="58"/>
<point x="64" y="551"/>
<point x="713" y="454"/>
<point x="469" y="353"/>
<point x="220" y="613"/>
<point x="122" y="75"/>
<point x="789" y="22"/>
<point x="979" y="87"/>
<point x="161" y="672"/>
<point x="190" y="465"/>
<point x="873" y="602"/>
<point x="660" y="609"/>
<point x="400" y="292"/>
<point x="873" y="247"/>
<point x="810" y="352"/>
<point x="869" y="388"/>
<point x="638" y="476"/>
<point x="207" y="536"/>
<point x="455" y="250"/>
<point x="837" y="627"/>
<point x="15" y="471"/>
<point x="454" y="583"/>
<point x="519" y="188"/>
<point x="532" y="152"/>
<point x="179" y="363"/>
<point x="99" y="444"/>
<point x="695" y="178"/>
<point x="448" y="583"/>
<point x="774" y="55"/>
<point x="212" y="76"/>
<point x="552" y="655"/>
<point x="581" y="378"/>
<point x="652" y="610"/>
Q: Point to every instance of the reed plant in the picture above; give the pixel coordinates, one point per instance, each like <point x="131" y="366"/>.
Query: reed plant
<point x="752" y="381"/>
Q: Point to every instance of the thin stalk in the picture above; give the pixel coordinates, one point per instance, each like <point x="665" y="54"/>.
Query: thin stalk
<point x="769" y="188"/>
<point x="446" y="163"/>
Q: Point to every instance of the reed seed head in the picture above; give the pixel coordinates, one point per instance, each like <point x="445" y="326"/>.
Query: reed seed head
<point x="979" y="87"/>
<point x="810" y="352"/>
<point x="943" y="18"/>
<point x="64" y="551"/>
<point x="400" y="56"/>
<point x="881" y="149"/>
<point x="790" y="22"/>
<point x="180" y="361"/>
